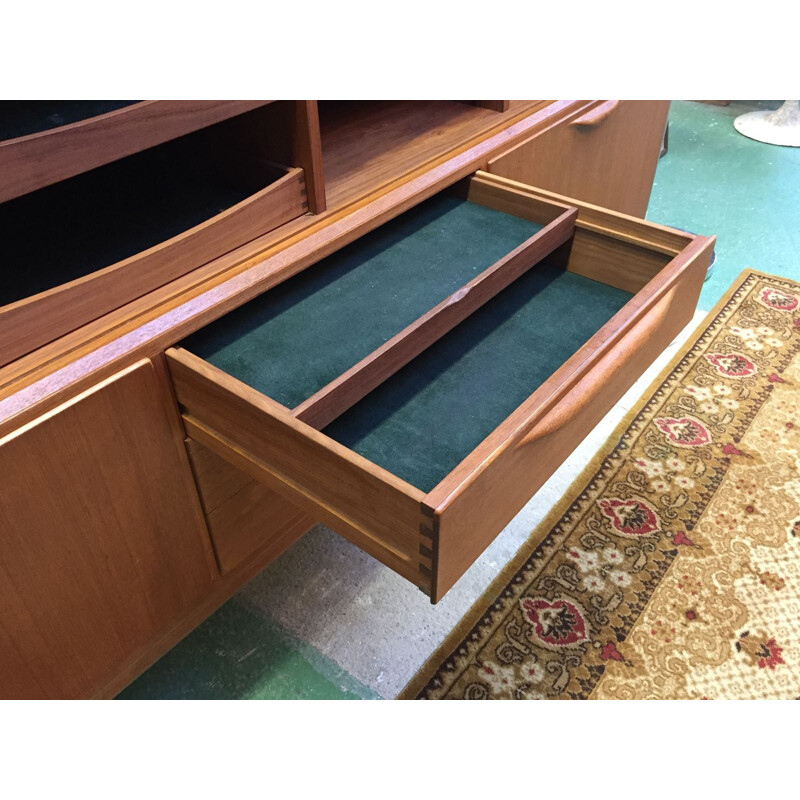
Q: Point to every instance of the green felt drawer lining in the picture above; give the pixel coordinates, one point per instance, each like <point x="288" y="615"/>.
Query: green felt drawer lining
<point x="429" y="416"/>
<point x="299" y="336"/>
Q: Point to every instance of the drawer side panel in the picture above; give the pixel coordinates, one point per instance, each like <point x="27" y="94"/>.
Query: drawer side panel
<point x="376" y="511"/>
<point x="470" y="517"/>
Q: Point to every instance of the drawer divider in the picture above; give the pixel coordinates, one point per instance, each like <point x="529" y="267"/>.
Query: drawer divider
<point x="353" y="385"/>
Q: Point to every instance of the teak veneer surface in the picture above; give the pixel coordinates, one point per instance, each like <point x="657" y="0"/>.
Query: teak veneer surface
<point x="243" y="516"/>
<point x="366" y="143"/>
<point x="102" y="542"/>
<point x="57" y="139"/>
<point x="299" y="336"/>
<point x="81" y="225"/>
<point x="606" y="155"/>
<point x="24" y="117"/>
<point x="99" y="240"/>
<point x="488" y="488"/>
<point x="374" y="508"/>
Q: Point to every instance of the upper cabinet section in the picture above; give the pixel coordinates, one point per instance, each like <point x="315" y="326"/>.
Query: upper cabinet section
<point x="104" y="203"/>
<point x="369" y="143"/>
<point x="45" y="141"/>
<point x="158" y="202"/>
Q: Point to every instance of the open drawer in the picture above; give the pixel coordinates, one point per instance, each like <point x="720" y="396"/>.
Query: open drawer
<point x="82" y="247"/>
<point x="414" y="390"/>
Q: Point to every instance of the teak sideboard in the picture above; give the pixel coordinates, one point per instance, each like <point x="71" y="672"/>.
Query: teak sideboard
<point x="222" y="322"/>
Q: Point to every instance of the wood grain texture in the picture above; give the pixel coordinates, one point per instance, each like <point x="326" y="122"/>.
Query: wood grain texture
<point x="370" y="143"/>
<point x="483" y="188"/>
<point x="141" y="658"/>
<point x="145" y="327"/>
<point x="493" y="105"/>
<point x="617" y="249"/>
<point x="332" y="400"/>
<point x="396" y="549"/>
<point x="477" y="499"/>
<point x="608" y="156"/>
<point x="40" y="159"/>
<point x="244" y="517"/>
<point x="102" y="541"/>
<point x="363" y="502"/>
<point x="308" y="153"/>
<point x="611" y="223"/>
<point x="34" y="321"/>
<point x="217" y="480"/>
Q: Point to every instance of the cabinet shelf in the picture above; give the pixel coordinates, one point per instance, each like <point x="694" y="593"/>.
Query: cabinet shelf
<point x="86" y="245"/>
<point x="43" y="142"/>
<point x="368" y="143"/>
<point x="20" y="118"/>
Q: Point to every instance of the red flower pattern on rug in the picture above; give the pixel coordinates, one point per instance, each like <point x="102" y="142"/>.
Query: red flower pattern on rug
<point x="684" y="432"/>
<point x="663" y="571"/>
<point x="558" y="623"/>
<point x="632" y="517"/>
<point x="732" y="365"/>
<point x="781" y="301"/>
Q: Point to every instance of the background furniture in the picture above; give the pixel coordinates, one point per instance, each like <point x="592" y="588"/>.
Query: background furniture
<point x="142" y="485"/>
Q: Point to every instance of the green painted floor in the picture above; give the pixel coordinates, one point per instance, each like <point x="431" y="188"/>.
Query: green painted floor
<point x="238" y="654"/>
<point x="711" y="181"/>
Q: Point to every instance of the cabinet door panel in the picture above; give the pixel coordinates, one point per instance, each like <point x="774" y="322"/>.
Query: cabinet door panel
<point x="606" y="155"/>
<point x="102" y="542"/>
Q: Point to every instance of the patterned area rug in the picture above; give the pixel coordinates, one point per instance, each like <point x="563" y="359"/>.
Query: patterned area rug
<point x="671" y="569"/>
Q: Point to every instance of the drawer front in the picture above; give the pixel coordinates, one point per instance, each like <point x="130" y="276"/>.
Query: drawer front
<point x="528" y="449"/>
<point x="604" y="154"/>
<point x="432" y="535"/>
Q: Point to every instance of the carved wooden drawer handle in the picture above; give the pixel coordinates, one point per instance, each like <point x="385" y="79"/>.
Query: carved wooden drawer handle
<point x="596" y="115"/>
<point x="608" y="366"/>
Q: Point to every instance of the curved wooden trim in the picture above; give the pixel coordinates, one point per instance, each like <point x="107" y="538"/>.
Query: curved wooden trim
<point x="31" y="162"/>
<point x="595" y="116"/>
<point x="584" y="368"/>
<point x="41" y="318"/>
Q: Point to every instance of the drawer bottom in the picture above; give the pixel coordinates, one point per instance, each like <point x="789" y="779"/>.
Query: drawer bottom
<point x="423" y="421"/>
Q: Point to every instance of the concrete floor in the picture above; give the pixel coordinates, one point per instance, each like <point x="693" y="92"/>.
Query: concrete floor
<point x="326" y="621"/>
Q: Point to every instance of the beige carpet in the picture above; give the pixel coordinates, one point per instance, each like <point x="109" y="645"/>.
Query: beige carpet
<point x="671" y="568"/>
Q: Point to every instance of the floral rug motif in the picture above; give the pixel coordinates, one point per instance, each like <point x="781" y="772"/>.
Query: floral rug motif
<point x="671" y="569"/>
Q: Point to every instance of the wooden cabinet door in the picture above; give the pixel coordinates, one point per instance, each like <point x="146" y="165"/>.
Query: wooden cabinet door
<point x="605" y="154"/>
<point x="102" y="541"/>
